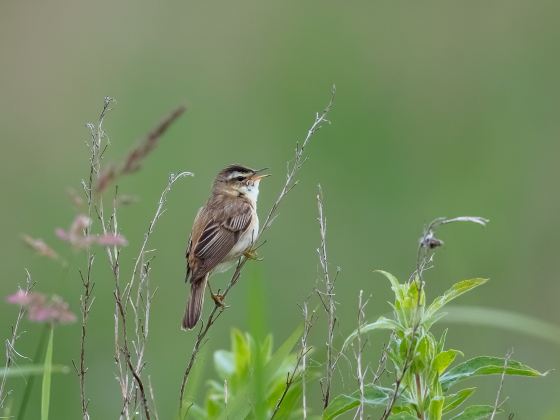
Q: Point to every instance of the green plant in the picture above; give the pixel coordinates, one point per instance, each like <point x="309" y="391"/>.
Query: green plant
<point x="250" y="376"/>
<point x="425" y="378"/>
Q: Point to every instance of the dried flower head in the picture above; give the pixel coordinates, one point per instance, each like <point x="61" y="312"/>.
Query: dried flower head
<point x="42" y="309"/>
<point x="39" y="246"/>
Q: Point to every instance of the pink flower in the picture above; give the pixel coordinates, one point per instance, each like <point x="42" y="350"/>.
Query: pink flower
<point x="111" y="239"/>
<point x="21" y="297"/>
<point x="42" y="309"/>
<point x="77" y="238"/>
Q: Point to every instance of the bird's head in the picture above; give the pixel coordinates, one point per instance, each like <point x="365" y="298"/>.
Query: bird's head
<point x="239" y="180"/>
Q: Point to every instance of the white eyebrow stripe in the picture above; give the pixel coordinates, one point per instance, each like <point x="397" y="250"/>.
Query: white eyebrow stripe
<point x="236" y="174"/>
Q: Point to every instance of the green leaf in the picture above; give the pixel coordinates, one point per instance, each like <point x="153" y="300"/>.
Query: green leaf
<point x="290" y="403"/>
<point x="424" y="351"/>
<point x="403" y="416"/>
<point x="382" y="323"/>
<point x="455" y="400"/>
<point x="507" y="320"/>
<point x="486" y="365"/>
<point x="47" y="370"/>
<point x="454" y="292"/>
<point x="395" y="285"/>
<point x="476" y="412"/>
<point x="441" y="343"/>
<point x="241" y="350"/>
<point x="240" y="405"/>
<point x="373" y="396"/>
<point x="444" y="359"/>
<point x="436" y="408"/>
<point x="28" y="370"/>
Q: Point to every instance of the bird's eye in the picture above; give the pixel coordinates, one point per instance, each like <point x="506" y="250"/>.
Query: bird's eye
<point x="240" y="178"/>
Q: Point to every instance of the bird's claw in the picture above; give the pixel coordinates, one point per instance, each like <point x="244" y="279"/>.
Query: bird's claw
<point x="251" y="254"/>
<point x="218" y="299"/>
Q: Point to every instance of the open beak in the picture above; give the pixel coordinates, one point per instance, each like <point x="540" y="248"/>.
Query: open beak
<point x="257" y="176"/>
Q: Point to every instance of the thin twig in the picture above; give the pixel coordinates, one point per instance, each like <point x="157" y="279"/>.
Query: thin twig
<point x="140" y="305"/>
<point x="152" y="397"/>
<point x="360" y="371"/>
<point x="308" y="321"/>
<point x="10" y="344"/>
<point x="129" y="352"/>
<point x="97" y="135"/>
<point x="86" y="300"/>
<point x="300" y="360"/>
<point x="381" y="365"/>
<point x="329" y="305"/>
<point x="290" y="183"/>
<point x="497" y="403"/>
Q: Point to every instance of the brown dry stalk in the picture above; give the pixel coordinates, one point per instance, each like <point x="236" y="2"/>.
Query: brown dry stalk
<point x="134" y="159"/>
<point x="86" y="299"/>
<point x="327" y="297"/>
<point x="11" y="352"/>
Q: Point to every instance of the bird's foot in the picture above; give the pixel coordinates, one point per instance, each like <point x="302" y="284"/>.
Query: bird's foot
<point x="218" y="299"/>
<point x="251" y="254"/>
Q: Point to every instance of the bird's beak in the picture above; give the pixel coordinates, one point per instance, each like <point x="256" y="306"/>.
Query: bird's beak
<point x="257" y="176"/>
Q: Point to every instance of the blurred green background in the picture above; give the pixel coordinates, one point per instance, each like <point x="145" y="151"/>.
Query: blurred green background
<point x="442" y="109"/>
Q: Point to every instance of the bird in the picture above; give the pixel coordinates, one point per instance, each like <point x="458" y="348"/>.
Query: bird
<point x="224" y="229"/>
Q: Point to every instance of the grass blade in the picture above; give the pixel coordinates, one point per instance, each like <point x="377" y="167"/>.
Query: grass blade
<point x="47" y="371"/>
<point x="507" y="320"/>
<point x="31" y="370"/>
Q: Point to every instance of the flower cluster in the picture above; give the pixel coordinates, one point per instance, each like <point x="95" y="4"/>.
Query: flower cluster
<point x="76" y="235"/>
<point x="40" y="308"/>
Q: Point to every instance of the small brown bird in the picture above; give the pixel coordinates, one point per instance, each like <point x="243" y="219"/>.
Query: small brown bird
<point x="223" y="230"/>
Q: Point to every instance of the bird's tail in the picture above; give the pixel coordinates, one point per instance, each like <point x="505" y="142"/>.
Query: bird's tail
<point x="194" y="303"/>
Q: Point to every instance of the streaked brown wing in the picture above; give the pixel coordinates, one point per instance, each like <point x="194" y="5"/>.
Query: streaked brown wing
<point x="217" y="239"/>
<point x="189" y="243"/>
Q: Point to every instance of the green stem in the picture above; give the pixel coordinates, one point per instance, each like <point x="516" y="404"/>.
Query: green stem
<point x="46" y="386"/>
<point x="31" y="380"/>
<point x="419" y="397"/>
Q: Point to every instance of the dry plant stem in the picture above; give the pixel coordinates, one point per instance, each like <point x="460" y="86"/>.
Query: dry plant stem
<point x="308" y="321"/>
<point x="136" y="156"/>
<point x="152" y="397"/>
<point x="329" y="305"/>
<point x="497" y="403"/>
<point x="382" y="363"/>
<point x="86" y="298"/>
<point x="11" y="352"/>
<point x="360" y="372"/>
<point x="300" y="361"/>
<point x="142" y="303"/>
<point x="290" y="182"/>
<point x="86" y="301"/>
<point x="140" y="306"/>
<point x="128" y="370"/>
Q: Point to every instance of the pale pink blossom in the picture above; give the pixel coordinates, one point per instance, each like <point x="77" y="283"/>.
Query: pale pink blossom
<point x="21" y="297"/>
<point x="42" y="309"/>
<point x="111" y="239"/>
<point x="77" y="238"/>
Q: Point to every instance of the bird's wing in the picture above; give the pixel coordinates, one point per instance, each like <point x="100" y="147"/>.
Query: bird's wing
<point x="219" y="235"/>
<point x="189" y="244"/>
